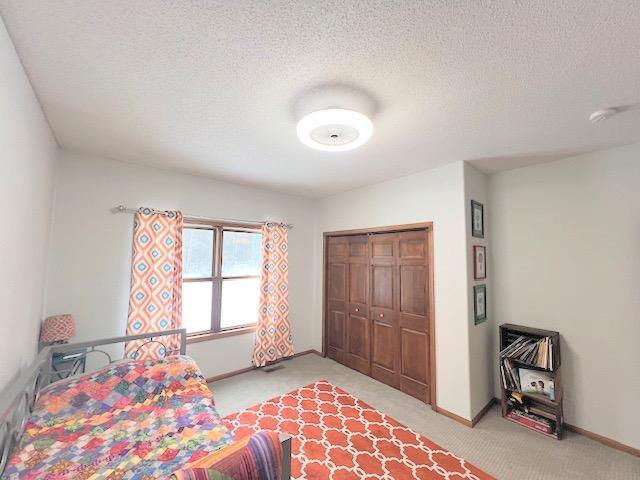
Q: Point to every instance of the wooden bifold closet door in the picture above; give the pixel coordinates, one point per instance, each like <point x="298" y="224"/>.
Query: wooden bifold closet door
<point x="358" y="326"/>
<point x="377" y="307"/>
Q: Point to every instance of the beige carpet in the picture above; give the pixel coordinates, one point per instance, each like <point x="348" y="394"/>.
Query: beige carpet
<point x="497" y="446"/>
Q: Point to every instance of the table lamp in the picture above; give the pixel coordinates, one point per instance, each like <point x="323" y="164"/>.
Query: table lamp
<point x="58" y="329"/>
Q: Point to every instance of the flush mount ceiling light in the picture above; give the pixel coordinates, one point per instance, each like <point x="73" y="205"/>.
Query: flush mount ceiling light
<point x="602" y="115"/>
<point x="607" y="113"/>
<point x="334" y="129"/>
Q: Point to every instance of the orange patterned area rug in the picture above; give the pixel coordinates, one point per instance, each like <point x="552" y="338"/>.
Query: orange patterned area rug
<point x="337" y="436"/>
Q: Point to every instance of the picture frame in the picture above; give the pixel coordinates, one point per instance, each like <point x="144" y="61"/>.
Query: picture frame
<point x="479" y="303"/>
<point x="479" y="262"/>
<point x="477" y="219"/>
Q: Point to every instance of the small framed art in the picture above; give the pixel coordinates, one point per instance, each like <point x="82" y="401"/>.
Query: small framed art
<point x="477" y="219"/>
<point x="479" y="303"/>
<point x="479" y="262"/>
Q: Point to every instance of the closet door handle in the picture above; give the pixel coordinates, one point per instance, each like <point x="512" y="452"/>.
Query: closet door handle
<point x="382" y="315"/>
<point x="357" y="309"/>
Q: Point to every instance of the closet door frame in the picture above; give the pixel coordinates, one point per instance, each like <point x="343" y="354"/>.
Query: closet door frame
<point x="428" y="227"/>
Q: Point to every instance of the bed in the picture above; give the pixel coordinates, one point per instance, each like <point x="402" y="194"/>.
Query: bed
<point x="131" y="419"/>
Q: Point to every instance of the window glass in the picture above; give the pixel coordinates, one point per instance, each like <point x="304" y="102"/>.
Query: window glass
<point x="241" y="256"/>
<point x="240" y="302"/>
<point x="197" y="252"/>
<point x="241" y="253"/>
<point x="196" y="306"/>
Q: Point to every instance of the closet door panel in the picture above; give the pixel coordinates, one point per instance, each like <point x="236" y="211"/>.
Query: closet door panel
<point x="383" y="355"/>
<point x="337" y="270"/>
<point x="413" y="291"/>
<point x="337" y="249"/>
<point x="382" y="247"/>
<point x="384" y="360"/>
<point x="358" y="248"/>
<point x="336" y="330"/>
<point x="359" y="274"/>
<point x="413" y="297"/>
<point x="383" y="343"/>
<point x="358" y="323"/>
<point x="359" y="284"/>
<point x="358" y="346"/>
<point x="382" y="286"/>
<point x="413" y="314"/>
<point x="383" y="276"/>
<point x="337" y="282"/>
<point x="414" y="358"/>
<point x="412" y="245"/>
<point x="337" y="311"/>
<point x="337" y="322"/>
<point x="413" y="379"/>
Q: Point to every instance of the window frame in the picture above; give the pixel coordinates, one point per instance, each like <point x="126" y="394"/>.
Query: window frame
<point x="216" y="278"/>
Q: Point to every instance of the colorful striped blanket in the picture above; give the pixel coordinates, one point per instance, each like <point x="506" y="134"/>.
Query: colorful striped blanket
<point x="136" y="419"/>
<point x="255" y="457"/>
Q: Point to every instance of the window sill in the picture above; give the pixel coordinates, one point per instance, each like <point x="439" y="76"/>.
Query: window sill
<point x="205" y="337"/>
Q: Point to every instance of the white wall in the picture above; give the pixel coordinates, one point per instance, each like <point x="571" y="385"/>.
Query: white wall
<point x="89" y="265"/>
<point x="482" y="343"/>
<point x="27" y="153"/>
<point x="566" y="256"/>
<point x="435" y="195"/>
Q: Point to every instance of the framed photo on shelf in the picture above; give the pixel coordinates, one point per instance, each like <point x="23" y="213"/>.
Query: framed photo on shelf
<point x="477" y="219"/>
<point x="535" y="381"/>
<point x="479" y="262"/>
<point x="479" y="303"/>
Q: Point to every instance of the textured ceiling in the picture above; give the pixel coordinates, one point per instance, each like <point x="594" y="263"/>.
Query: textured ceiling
<point x="209" y="87"/>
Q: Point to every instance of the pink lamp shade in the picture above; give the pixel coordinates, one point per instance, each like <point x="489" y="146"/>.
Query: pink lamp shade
<point x="58" y="328"/>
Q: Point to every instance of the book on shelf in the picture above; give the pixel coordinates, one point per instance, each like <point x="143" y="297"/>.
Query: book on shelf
<point x="535" y="381"/>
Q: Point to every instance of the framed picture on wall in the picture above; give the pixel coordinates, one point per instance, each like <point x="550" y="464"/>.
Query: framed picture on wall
<point x="479" y="262"/>
<point x="477" y="219"/>
<point x="479" y="303"/>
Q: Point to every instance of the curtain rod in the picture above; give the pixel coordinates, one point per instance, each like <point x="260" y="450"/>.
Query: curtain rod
<point x="123" y="209"/>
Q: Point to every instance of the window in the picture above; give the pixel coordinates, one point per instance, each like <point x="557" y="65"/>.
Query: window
<point x="220" y="277"/>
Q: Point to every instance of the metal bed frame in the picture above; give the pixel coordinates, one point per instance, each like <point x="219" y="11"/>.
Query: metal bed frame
<point x="17" y="398"/>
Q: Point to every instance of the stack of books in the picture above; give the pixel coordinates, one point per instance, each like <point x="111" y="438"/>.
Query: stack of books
<point x="532" y="421"/>
<point x="510" y="377"/>
<point x="531" y="350"/>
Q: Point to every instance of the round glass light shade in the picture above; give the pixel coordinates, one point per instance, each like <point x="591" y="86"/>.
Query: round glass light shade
<point x="334" y="129"/>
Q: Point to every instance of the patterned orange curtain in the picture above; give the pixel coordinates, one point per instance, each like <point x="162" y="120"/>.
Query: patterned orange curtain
<point x="273" y="332"/>
<point x="155" y="300"/>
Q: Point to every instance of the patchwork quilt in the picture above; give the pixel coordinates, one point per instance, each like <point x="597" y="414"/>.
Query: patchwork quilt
<point x="136" y="419"/>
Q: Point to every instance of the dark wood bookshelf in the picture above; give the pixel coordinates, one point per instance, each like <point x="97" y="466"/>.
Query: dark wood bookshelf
<point x="538" y="404"/>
